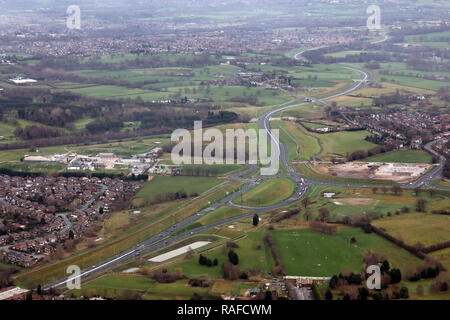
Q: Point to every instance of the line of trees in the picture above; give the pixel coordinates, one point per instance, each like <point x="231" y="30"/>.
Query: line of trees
<point x="323" y="227"/>
<point x="198" y="170"/>
<point x="283" y="215"/>
<point x="361" y="154"/>
<point x="279" y="267"/>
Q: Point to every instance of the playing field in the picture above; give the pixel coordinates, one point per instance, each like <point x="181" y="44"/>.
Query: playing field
<point x="310" y="253"/>
<point x="412" y="81"/>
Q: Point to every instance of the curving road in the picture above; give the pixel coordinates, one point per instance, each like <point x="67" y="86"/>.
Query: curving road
<point x="167" y="238"/>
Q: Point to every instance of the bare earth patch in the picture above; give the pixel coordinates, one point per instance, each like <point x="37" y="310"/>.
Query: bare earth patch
<point x="398" y="172"/>
<point x="357" y="201"/>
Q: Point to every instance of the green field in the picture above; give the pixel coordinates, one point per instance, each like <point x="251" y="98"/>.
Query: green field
<point x="343" y="143"/>
<point x="221" y="213"/>
<point x="300" y="144"/>
<point x="217" y="215"/>
<point x="174" y="83"/>
<point x="434" y="39"/>
<point x="267" y="193"/>
<point x="303" y="145"/>
<point x="342" y="54"/>
<point x="413" y="228"/>
<point x="304" y="111"/>
<point x="214" y="169"/>
<point x="310" y="253"/>
<point x="357" y="202"/>
<point x="172" y="184"/>
<point x="443" y="256"/>
<point x="412" y="81"/>
<point x="253" y="255"/>
<point x="45" y="167"/>
<point x="115" y="286"/>
<point x="402" y="156"/>
<point x="397" y="257"/>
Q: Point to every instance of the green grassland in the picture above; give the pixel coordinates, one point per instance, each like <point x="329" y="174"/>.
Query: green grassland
<point x="300" y="144"/>
<point x="403" y="69"/>
<point x="412" y="81"/>
<point x="106" y="91"/>
<point x="303" y="252"/>
<point x="343" y="143"/>
<point x="172" y="184"/>
<point x="126" y="221"/>
<point x="115" y="286"/>
<point x="265" y="97"/>
<point x="166" y="83"/>
<point x="342" y="54"/>
<point x="218" y="169"/>
<point x="7" y="129"/>
<point x="424" y="228"/>
<point x="316" y="125"/>
<point x="443" y="256"/>
<point x="309" y="253"/>
<point x="385" y="89"/>
<point x="36" y="167"/>
<point x="305" y="111"/>
<point x="267" y="193"/>
<point x="397" y="257"/>
<point x="433" y="39"/>
<point x="118" y="285"/>
<point x="356" y="202"/>
<point x="253" y="255"/>
<point x="81" y="124"/>
<point x="401" y="156"/>
<point x="306" y="144"/>
<point x="221" y="213"/>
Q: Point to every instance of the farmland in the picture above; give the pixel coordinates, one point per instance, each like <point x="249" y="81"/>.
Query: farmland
<point x="169" y="184"/>
<point x="170" y="82"/>
<point x="424" y="228"/>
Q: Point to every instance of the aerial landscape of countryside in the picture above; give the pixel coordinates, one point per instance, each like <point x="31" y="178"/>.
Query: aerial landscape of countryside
<point x="349" y="100"/>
